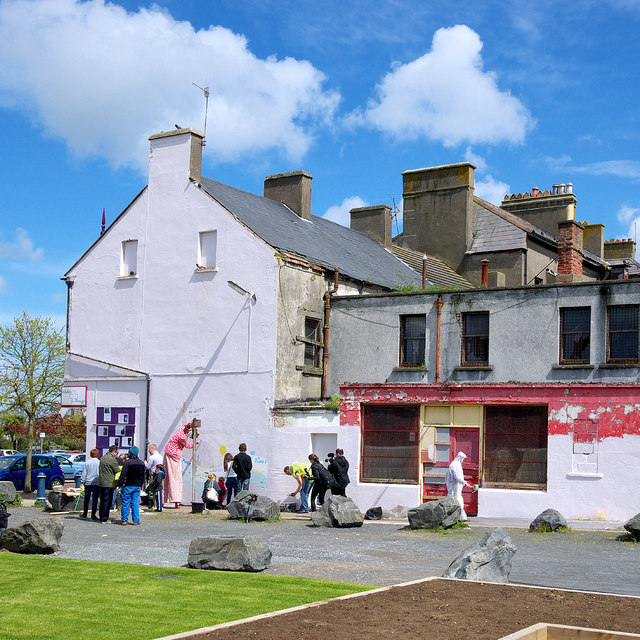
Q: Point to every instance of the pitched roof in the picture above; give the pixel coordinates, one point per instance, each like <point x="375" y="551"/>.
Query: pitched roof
<point x="438" y="271"/>
<point x="319" y="240"/>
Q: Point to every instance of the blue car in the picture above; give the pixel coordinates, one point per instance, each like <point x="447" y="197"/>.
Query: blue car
<point x="68" y="466"/>
<point x="13" y="468"/>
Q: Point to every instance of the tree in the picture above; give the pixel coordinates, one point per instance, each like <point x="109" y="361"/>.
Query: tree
<point x="31" y="370"/>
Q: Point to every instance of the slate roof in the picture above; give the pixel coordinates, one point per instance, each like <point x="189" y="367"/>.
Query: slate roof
<point x="321" y="241"/>
<point x="438" y="271"/>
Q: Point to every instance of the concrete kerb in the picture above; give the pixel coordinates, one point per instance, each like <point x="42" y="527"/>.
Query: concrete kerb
<point x="361" y="594"/>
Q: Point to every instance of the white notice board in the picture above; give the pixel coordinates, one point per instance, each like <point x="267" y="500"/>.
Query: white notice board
<point x="74" y="397"/>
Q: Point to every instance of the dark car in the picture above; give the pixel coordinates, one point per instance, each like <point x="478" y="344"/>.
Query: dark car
<point x="13" y="468"/>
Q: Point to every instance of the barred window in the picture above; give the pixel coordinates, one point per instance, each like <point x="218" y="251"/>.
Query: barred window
<point x="622" y="338"/>
<point x="575" y="335"/>
<point x="390" y="444"/>
<point x="515" y="447"/>
<point x="475" y="338"/>
<point x="412" y="340"/>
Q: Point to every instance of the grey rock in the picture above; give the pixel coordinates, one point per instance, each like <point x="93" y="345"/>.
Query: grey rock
<point x="549" y="518"/>
<point x="399" y="512"/>
<point x="248" y="553"/>
<point x="38" y="535"/>
<point x="438" y="514"/>
<point x="63" y="501"/>
<point x="9" y="489"/>
<point x="633" y="526"/>
<point x="263" y="508"/>
<point x="338" y="511"/>
<point x="488" y="559"/>
<point x="375" y="513"/>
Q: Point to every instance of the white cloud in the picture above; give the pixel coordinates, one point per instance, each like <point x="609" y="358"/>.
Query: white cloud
<point x="446" y="96"/>
<point x="619" y="168"/>
<point x="626" y="213"/>
<point x="491" y="190"/>
<point x="478" y="161"/>
<point x="340" y="213"/>
<point x="103" y="79"/>
<point x="22" y="248"/>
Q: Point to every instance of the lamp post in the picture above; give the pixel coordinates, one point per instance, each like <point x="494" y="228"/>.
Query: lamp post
<point x="195" y="425"/>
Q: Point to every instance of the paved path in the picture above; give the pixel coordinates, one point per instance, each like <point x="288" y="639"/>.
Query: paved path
<point x="379" y="553"/>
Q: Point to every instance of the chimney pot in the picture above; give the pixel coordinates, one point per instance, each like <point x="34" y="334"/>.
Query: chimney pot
<point x="569" y="187"/>
<point x="562" y="188"/>
<point x="535" y="191"/>
<point x="555" y="189"/>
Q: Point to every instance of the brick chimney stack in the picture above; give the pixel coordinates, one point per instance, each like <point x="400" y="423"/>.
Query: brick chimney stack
<point x="570" y="251"/>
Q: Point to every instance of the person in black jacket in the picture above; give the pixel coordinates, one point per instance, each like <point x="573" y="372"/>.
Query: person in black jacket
<point x="131" y="480"/>
<point x="242" y="466"/>
<point x="339" y="468"/>
<point x="322" y="480"/>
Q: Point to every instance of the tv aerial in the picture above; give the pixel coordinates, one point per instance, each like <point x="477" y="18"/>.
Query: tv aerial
<point x="204" y="90"/>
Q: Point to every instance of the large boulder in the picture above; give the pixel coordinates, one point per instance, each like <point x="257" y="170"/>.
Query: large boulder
<point x="39" y="535"/>
<point x="248" y="553"/>
<point x="65" y="500"/>
<point x="548" y="520"/>
<point x="488" y="559"/>
<point x="9" y="490"/>
<point x="438" y="514"/>
<point x="338" y="511"/>
<point x="633" y="526"/>
<point x="263" y="508"/>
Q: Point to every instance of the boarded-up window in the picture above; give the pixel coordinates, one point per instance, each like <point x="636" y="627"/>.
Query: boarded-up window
<point x="575" y="335"/>
<point x="412" y="340"/>
<point x="515" y="446"/>
<point x="207" y="249"/>
<point x="129" y="259"/>
<point x="622" y="343"/>
<point x="390" y="444"/>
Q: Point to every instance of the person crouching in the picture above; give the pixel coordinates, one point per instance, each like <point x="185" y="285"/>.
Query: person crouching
<point x="211" y="493"/>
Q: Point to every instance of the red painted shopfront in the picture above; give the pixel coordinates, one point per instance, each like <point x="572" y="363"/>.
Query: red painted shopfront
<point x="410" y="433"/>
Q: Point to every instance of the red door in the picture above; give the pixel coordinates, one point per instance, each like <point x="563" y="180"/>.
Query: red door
<point x="468" y="440"/>
<point x="449" y="441"/>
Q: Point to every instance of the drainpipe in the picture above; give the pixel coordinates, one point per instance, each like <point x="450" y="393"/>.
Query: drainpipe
<point x="484" y="278"/>
<point x="439" y="304"/>
<point x="325" y="332"/>
<point x="424" y="270"/>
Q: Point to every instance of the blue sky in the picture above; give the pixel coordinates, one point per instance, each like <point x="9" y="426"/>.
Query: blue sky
<point x="355" y="92"/>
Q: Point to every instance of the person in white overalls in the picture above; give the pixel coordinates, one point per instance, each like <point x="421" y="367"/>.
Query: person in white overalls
<point x="455" y="481"/>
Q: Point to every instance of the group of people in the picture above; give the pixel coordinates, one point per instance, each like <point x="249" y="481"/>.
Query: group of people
<point x="236" y="478"/>
<point x="315" y="479"/>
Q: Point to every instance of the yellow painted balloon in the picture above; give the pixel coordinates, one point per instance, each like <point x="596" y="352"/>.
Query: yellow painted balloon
<point x="223" y="450"/>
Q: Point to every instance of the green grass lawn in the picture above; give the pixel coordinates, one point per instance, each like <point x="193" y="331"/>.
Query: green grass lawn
<point x="57" y="599"/>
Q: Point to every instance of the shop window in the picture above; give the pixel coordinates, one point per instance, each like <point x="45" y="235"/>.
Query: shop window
<point x="622" y="338"/>
<point x="129" y="259"/>
<point x="515" y="447"/>
<point x="575" y="335"/>
<point x="312" y="342"/>
<point x="390" y="444"/>
<point x="412" y="340"/>
<point x="475" y="338"/>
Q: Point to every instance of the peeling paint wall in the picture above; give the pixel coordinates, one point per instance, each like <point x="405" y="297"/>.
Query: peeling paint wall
<point x="593" y="454"/>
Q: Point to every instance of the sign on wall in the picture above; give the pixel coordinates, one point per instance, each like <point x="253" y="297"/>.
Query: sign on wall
<point x="74" y="397"/>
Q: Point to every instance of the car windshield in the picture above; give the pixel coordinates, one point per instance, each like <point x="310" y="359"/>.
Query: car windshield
<point x="6" y="462"/>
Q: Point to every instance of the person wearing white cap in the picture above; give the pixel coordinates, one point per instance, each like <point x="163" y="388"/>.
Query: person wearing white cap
<point x="455" y="481"/>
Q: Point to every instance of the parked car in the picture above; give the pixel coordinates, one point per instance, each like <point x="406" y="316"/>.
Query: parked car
<point x="69" y="467"/>
<point x="13" y="468"/>
<point x="8" y="452"/>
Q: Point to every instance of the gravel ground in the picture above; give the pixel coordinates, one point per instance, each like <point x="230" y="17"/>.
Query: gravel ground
<point x="380" y="553"/>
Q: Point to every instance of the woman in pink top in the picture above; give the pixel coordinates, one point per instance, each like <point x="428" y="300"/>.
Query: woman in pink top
<point x="173" y="465"/>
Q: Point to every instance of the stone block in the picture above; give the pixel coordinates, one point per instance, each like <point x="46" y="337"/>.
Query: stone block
<point x="9" y="489"/>
<point x="338" y="511"/>
<point x="247" y="553"/>
<point x="65" y="500"/>
<point x="548" y="519"/>
<point x="437" y="514"/>
<point x="39" y="535"/>
<point x="263" y="508"/>
<point x="633" y="526"/>
<point x="488" y="559"/>
<point x="375" y="513"/>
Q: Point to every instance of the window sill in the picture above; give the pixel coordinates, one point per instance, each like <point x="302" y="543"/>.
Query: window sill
<point x="309" y="371"/>
<point x="575" y="474"/>
<point x="205" y="270"/>
<point x="409" y="369"/>
<point x="474" y="367"/>
<point x="134" y="277"/>
<point x="574" y="366"/>
<point x="615" y="365"/>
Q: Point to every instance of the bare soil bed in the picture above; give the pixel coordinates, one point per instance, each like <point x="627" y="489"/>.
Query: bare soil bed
<point x="441" y="610"/>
